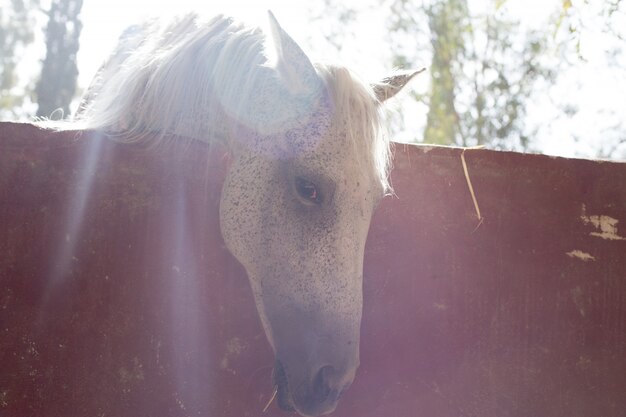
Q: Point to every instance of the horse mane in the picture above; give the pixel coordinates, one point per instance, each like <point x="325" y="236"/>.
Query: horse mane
<point x="176" y="78"/>
<point x="162" y="75"/>
<point x="358" y="116"/>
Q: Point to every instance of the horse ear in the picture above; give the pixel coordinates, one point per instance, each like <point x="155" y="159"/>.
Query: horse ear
<point x="390" y="86"/>
<point x="293" y="66"/>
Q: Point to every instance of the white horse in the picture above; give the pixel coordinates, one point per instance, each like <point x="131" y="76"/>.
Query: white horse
<point x="309" y="165"/>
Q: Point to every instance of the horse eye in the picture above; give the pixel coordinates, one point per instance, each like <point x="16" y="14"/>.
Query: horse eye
<point x="307" y="191"/>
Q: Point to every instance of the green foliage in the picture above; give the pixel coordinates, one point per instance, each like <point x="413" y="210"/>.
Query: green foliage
<point x="337" y="28"/>
<point x="506" y="72"/>
<point x="16" y="34"/>
<point x="590" y="35"/>
<point x="483" y="72"/>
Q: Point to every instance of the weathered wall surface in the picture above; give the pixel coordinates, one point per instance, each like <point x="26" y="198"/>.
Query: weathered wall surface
<point x="117" y="297"/>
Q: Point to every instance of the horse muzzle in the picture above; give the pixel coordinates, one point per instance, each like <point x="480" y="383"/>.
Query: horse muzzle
<point x="311" y="395"/>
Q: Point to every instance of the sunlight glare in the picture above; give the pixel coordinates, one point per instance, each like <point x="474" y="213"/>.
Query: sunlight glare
<point x="105" y="21"/>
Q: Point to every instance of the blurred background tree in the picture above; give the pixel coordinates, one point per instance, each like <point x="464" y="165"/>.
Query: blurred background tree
<point x="488" y="72"/>
<point x="590" y="32"/>
<point x="495" y="77"/>
<point x="57" y="83"/>
<point x="484" y="70"/>
<point x="17" y="33"/>
<point x="28" y="85"/>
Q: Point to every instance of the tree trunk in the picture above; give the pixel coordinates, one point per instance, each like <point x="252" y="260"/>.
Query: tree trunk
<point x="57" y="85"/>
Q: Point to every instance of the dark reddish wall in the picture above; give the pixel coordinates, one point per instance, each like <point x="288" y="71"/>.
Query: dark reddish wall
<point x="117" y="297"/>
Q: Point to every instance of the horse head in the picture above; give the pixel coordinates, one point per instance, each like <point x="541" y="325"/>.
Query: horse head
<point x="295" y="211"/>
<point x="308" y="167"/>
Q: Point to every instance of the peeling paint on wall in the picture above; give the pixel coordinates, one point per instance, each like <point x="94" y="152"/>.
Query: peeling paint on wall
<point x="606" y="225"/>
<point x="584" y="256"/>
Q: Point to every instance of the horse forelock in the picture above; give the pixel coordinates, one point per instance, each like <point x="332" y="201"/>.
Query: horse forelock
<point x="357" y="117"/>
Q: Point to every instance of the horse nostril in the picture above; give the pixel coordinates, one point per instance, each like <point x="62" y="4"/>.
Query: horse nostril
<point x="322" y="383"/>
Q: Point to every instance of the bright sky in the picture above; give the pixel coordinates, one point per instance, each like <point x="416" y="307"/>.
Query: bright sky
<point x="105" y="20"/>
